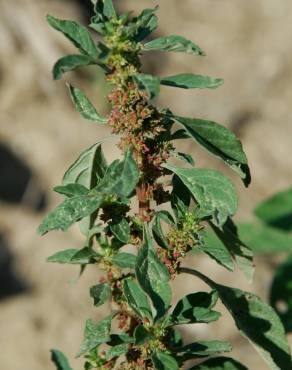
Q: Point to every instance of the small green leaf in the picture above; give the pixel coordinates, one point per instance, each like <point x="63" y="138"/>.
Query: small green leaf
<point x="174" y="338"/>
<point x="213" y="191"/>
<point x="180" y="134"/>
<point x="174" y="43"/>
<point x="180" y="198"/>
<point x="100" y="293"/>
<point x="277" y="210"/>
<point x="117" y="351"/>
<point x="137" y="299"/>
<point x="281" y="293"/>
<point x="85" y="256"/>
<point x="219" y="363"/>
<point x="84" y="106"/>
<point x="195" y="308"/>
<point x="158" y="234"/>
<point x="63" y="256"/>
<point x="71" y="190"/>
<point x="60" y="360"/>
<point x="87" y="170"/>
<point x="71" y="210"/>
<point x="256" y="320"/>
<point x="70" y="63"/>
<point x="95" y="334"/>
<point x="77" y="34"/>
<point x="142" y="336"/>
<point x="117" y="339"/>
<point x="203" y="349"/>
<point x="108" y="9"/>
<point x="148" y="83"/>
<point x="89" y="167"/>
<point x="219" y="141"/>
<point x="164" y="361"/>
<point x="124" y="260"/>
<point x="121" y="177"/>
<point x="183" y="157"/>
<point x="191" y="81"/>
<point x="104" y="9"/>
<point x="121" y="230"/>
<point x="144" y="24"/>
<point x="153" y="276"/>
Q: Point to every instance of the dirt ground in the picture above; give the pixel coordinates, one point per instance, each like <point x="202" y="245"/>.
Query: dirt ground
<point x="248" y="43"/>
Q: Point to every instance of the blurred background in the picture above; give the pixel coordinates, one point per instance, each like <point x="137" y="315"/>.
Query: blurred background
<point x="248" y="43"/>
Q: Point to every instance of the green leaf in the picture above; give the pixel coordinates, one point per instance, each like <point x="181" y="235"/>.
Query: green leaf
<point x="60" y="360"/>
<point x="191" y="81"/>
<point x="148" y="83"/>
<point x="158" y="234"/>
<point x="104" y="10"/>
<point x="117" y="339"/>
<point x="100" y="293"/>
<point x="71" y="190"/>
<point x="264" y="239"/>
<point x="108" y="9"/>
<point x="144" y="24"/>
<point x="163" y="361"/>
<point x="256" y="320"/>
<point x="183" y="157"/>
<point x="180" y="198"/>
<point x="214" y="248"/>
<point x="85" y="256"/>
<point x="219" y="141"/>
<point x="281" y="293"/>
<point x="195" y="308"/>
<point x="121" y="177"/>
<point x="213" y="191"/>
<point x="241" y="253"/>
<point x="87" y="170"/>
<point x="153" y="275"/>
<point x="84" y="106"/>
<point x="77" y="34"/>
<point x="71" y="210"/>
<point x="277" y="210"/>
<point x="220" y="363"/>
<point x="137" y="299"/>
<point x="174" y="43"/>
<point x="124" y="260"/>
<point x="95" y="334"/>
<point x="142" y="336"/>
<point x="89" y="167"/>
<point x="70" y="63"/>
<point x="117" y="351"/>
<point x="203" y="349"/>
<point x="63" y="256"/>
<point x="121" y="230"/>
<point x="180" y="134"/>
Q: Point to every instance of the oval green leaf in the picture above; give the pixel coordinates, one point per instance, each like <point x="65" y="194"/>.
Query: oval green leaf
<point x="256" y="320"/>
<point x="84" y="106"/>
<point x="191" y="81"/>
<point x="219" y="141"/>
<point x="213" y="191"/>
<point x="174" y="43"/>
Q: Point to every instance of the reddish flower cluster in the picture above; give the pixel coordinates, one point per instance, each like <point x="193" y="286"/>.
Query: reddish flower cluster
<point x="141" y="126"/>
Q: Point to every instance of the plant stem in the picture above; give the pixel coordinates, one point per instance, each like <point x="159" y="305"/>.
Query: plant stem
<point x="144" y="202"/>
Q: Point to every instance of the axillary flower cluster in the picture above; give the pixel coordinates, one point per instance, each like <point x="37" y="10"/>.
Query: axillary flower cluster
<point x="141" y="215"/>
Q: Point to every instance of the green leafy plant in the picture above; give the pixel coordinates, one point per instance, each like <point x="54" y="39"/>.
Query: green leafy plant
<point x="116" y="206"/>
<point x="269" y="235"/>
